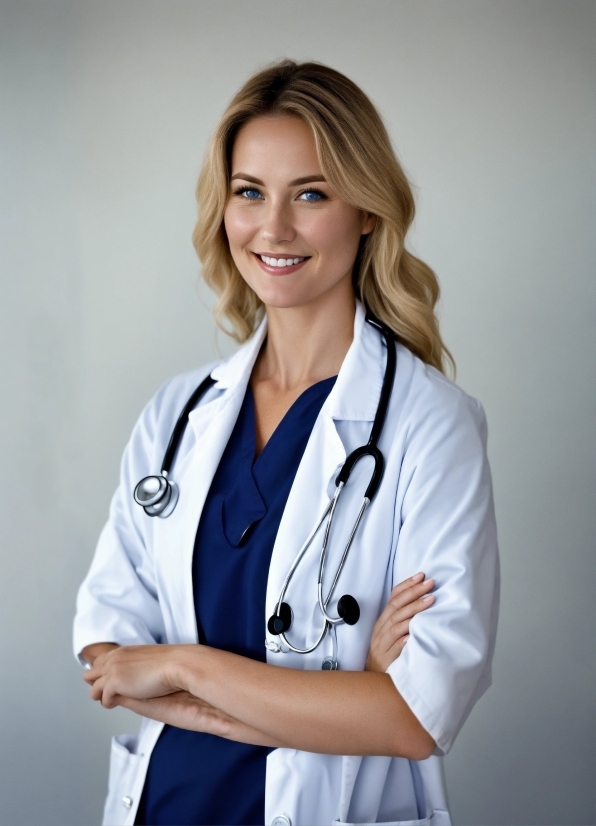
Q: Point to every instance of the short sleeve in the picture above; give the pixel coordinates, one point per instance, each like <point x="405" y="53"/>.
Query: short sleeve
<point x="446" y="528"/>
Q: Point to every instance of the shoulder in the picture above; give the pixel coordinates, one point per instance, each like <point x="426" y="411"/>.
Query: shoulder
<point x="432" y="408"/>
<point x="161" y="412"/>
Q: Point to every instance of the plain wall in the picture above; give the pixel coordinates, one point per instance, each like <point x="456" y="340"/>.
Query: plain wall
<point x="105" y="111"/>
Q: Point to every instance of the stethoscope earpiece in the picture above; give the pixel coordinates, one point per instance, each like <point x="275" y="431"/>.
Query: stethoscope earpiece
<point x="281" y="621"/>
<point x="348" y="609"/>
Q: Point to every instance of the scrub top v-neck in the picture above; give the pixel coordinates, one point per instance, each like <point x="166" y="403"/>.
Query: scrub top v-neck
<point x="195" y="778"/>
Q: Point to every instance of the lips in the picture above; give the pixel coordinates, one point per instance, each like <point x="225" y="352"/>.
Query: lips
<point x="273" y="261"/>
<point x="280" y="265"/>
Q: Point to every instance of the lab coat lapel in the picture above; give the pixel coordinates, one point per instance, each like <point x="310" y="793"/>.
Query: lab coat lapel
<point x="208" y="432"/>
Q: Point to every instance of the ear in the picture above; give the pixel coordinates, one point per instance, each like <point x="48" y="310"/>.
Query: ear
<point x="369" y="222"/>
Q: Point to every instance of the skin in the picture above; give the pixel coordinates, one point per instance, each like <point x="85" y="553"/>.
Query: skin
<point x="310" y="312"/>
<point x="224" y="694"/>
<point x="310" y="309"/>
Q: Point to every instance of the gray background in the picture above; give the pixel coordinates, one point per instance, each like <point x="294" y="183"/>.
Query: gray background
<point x="105" y="111"/>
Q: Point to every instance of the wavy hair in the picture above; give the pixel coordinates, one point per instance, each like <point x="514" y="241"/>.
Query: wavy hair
<point x="358" y="161"/>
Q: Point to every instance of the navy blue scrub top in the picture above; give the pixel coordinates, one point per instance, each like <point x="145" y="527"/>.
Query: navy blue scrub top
<point x="196" y="778"/>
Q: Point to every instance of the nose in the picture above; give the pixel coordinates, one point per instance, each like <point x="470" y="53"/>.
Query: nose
<point x="277" y="225"/>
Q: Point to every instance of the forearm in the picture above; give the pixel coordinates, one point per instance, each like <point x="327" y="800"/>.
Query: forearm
<point x="185" y="711"/>
<point x="342" y="712"/>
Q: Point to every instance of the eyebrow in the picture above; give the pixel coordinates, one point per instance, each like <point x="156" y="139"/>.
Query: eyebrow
<point x="309" y="179"/>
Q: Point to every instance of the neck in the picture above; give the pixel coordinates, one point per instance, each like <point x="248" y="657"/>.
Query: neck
<point x="307" y="344"/>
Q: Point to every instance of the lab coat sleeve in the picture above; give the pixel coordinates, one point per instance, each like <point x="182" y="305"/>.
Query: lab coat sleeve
<point x="446" y="528"/>
<point x="118" y="602"/>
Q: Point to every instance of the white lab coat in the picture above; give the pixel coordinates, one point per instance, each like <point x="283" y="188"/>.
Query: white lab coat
<point x="433" y="513"/>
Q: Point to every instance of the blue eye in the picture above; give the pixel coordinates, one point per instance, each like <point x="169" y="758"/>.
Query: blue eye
<point x="312" y="195"/>
<point x="251" y="194"/>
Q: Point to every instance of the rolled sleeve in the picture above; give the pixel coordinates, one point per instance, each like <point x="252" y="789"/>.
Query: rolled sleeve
<point x="114" y="604"/>
<point x="447" y="529"/>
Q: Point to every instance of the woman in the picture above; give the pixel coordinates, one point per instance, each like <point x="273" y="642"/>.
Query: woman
<point x="303" y="215"/>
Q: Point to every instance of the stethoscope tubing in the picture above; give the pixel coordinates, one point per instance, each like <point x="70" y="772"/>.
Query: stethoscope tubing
<point x="290" y="575"/>
<point x="158" y="495"/>
<point x="323" y="604"/>
<point x="329" y="621"/>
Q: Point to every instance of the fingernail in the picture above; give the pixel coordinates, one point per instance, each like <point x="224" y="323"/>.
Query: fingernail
<point x="428" y="598"/>
<point x="406" y="638"/>
<point x="417" y="577"/>
<point x="429" y="581"/>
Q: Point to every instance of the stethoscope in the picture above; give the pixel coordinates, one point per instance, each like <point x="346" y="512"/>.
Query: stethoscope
<point x="158" y="496"/>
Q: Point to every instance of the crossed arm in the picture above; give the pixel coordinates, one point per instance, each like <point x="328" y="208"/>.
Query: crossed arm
<point x="205" y="689"/>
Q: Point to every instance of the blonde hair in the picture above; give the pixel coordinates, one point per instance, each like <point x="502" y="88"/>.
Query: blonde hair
<point x="358" y="161"/>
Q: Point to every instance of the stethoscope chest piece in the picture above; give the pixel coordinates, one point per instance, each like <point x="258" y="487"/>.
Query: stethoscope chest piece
<point x="157" y="495"/>
<point x="281" y="621"/>
<point x="348" y="609"/>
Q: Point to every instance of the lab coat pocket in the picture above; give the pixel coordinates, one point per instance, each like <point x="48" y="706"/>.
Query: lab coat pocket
<point x="438" y="817"/>
<point x="124" y="762"/>
<point x="426" y="822"/>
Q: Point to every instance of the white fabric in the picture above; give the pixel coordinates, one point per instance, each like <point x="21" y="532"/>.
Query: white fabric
<point x="433" y="513"/>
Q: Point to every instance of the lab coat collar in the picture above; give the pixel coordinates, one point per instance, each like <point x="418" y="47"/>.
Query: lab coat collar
<point x="355" y="396"/>
<point x="356" y="392"/>
<point x="238" y="366"/>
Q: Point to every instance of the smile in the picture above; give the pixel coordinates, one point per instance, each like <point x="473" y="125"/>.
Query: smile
<point x="279" y="265"/>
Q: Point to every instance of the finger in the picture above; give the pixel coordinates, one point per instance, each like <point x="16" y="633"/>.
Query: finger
<point x="397" y="591"/>
<point x="111" y="700"/>
<point x="411" y="593"/>
<point x="409" y="611"/>
<point x="397" y="623"/>
<point x="381" y="660"/>
<point x="393" y="631"/>
<point x="403" y="600"/>
<point x="108" y="698"/>
<point x="407" y="583"/>
<point x="391" y="635"/>
<point x="410" y="596"/>
<point x="396" y="649"/>
<point x="96" y="669"/>
<point x="405" y="614"/>
<point x="97" y="689"/>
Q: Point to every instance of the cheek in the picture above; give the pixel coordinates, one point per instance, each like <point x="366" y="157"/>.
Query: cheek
<point x="240" y="226"/>
<point x="337" y="233"/>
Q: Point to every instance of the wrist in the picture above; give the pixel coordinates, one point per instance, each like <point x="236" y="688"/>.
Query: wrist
<point x="185" y="669"/>
<point x="91" y="652"/>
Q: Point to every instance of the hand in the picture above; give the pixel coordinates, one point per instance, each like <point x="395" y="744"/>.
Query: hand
<point x="91" y="652"/>
<point x="139" y="672"/>
<point x="184" y="710"/>
<point x="390" y="633"/>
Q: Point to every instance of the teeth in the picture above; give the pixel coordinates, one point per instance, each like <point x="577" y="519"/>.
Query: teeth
<point x="280" y="262"/>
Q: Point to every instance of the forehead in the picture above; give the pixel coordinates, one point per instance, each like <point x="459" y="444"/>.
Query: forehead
<point x="271" y="144"/>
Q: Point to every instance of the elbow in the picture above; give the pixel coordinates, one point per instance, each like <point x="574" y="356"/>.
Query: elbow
<point x="424" y="747"/>
<point x="418" y="745"/>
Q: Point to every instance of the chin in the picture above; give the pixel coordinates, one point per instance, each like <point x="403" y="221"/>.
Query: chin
<point x="286" y="302"/>
<point x="284" y="297"/>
